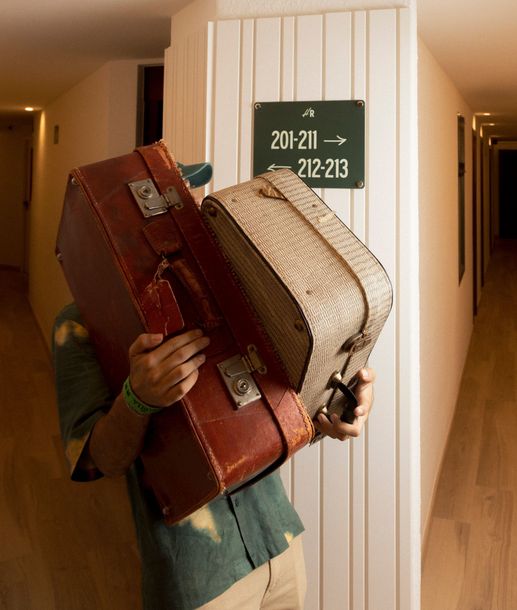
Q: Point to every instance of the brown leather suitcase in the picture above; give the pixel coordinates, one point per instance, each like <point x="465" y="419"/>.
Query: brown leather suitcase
<point x="138" y="258"/>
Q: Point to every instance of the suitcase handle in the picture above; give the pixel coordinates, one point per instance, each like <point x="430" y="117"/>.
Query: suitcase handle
<point x="165" y="240"/>
<point x="198" y="293"/>
<point x="350" y="403"/>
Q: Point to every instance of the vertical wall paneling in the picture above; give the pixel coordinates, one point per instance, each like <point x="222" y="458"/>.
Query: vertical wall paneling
<point x="358" y="505"/>
<point x="288" y="55"/>
<point x="187" y="100"/>
<point x="287" y="80"/>
<point x="309" y="60"/>
<point x="382" y="214"/>
<point x="169" y="75"/>
<point x="335" y="457"/>
<point x="359" y="500"/>
<point x="359" y="72"/>
<point x="191" y="101"/>
<point x="198" y="95"/>
<point x="267" y="59"/>
<point x="226" y="103"/>
<point x="247" y="94"/>
<point x="407" y="320"/>
<point x="307" y="498"/>
<point x="338" y="86"/>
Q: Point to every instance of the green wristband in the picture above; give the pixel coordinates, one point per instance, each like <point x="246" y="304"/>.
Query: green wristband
<point x="134" y="403"/>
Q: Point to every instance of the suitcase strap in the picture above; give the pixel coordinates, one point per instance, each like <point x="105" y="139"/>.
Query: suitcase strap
<point x="292" y="419"/>
<point x="163" y="237"/>
<point x="295" y="193"/>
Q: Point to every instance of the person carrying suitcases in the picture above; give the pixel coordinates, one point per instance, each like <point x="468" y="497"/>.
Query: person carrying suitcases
<point x="241" y="551"/>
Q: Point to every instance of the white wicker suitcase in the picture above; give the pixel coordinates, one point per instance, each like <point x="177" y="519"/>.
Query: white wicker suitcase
<point x="321" y="295"/>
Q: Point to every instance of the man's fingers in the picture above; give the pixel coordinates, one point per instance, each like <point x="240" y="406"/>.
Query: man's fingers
<point x="331" y="427"/>
<point x="159" y="376"/>
<point x="335" y="428"/>
<point x="181" y="372"/>
<point x="186" y="352"/>
<point x="181" y="347"/>
<point x="177" y="343"/>
<point x="150" y="341"/>
<point x="366" y="375"/>
<point x="178" y="391"/>
<point x="144" y="343"/>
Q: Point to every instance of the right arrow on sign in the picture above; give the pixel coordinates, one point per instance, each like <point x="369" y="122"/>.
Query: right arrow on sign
<point x="340" y="140"/>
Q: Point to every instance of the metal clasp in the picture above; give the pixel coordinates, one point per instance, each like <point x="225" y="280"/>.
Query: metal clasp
<point x="236" y="373"/>
<point x="149" y="200"/>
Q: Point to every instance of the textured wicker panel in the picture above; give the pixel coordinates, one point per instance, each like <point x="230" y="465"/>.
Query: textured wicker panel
<point x="275" y="307"/>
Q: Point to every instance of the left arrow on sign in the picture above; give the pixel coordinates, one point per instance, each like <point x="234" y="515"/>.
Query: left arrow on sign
<point x="274" y="167"/>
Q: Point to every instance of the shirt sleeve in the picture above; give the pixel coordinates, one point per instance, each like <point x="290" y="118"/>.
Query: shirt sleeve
<point x="83" y="396"/>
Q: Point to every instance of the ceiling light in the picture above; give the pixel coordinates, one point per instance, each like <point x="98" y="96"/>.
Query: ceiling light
<point x="29" y="109"/>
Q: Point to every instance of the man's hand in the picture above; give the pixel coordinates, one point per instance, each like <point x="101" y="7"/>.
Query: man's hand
<point x="162" y="373"/>
<point x="363" y="391"/>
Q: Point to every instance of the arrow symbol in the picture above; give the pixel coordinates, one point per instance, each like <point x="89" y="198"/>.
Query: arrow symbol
<point x="274" y="167"/>
<point x="340" y="140"/>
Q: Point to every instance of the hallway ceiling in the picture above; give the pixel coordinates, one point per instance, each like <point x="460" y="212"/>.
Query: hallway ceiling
<point x="476" y="45"/>
<point x="48" y="46"/>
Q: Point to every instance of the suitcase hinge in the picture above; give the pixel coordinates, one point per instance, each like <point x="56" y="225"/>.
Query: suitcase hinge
<point x="236" y="373"/>
<point x="149" y="200"/>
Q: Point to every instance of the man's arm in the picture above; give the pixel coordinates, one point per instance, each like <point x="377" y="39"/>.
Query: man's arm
<point x="161" y="373"/>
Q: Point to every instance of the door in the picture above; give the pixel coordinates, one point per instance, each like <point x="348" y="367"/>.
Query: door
<point x="508" y="194"/>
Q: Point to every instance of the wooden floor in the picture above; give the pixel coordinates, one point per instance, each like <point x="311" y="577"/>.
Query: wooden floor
<point x="63" y="545"/>
<point x="71" y="546"/>
<point x="471" y="556"/>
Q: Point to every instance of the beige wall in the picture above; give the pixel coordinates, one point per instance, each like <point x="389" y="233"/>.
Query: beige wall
<point x="445" y="306"/>
<point x="97" y="120"/>
<point x="15" y="137"/>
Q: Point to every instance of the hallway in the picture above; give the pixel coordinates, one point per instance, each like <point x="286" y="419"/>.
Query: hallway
<point x="68" y="546"/>
<point x="470" y="562"/>
<point x="63" y="545"/>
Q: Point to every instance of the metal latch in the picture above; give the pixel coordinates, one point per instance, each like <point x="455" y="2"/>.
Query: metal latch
<point x="149" y="200"/>
<point x="236" y="373"/>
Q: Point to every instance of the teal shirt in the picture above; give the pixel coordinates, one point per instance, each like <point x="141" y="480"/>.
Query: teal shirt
<point x="185" y="565"/>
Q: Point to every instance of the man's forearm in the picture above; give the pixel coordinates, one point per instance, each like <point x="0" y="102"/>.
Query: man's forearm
<point x="117" y="439"/>
<point x="161" y="373"/>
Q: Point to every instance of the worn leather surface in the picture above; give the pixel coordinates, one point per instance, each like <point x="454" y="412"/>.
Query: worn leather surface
<point x="118" y="265"/>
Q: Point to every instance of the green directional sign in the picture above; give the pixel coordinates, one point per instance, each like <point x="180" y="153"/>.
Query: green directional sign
<point x="322" y="142"/>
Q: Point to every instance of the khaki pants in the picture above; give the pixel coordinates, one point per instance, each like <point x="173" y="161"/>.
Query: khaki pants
<point x="279" y="584"/>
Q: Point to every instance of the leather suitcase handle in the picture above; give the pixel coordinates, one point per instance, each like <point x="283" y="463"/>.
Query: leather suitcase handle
<point x="163" y="237"/>
<point x="210" y="318"/>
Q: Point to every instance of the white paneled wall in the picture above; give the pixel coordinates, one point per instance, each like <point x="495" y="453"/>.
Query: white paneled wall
<point x="358" y="500"/>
